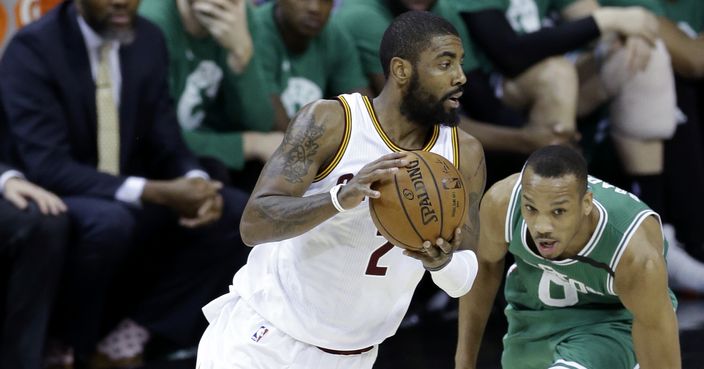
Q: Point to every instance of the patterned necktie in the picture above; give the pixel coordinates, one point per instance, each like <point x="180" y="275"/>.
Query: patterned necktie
<point x="108" y="120"/>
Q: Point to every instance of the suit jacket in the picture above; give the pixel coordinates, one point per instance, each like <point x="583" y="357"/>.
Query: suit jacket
<point x="4" y="168"/>
<point x="48" y="95"/>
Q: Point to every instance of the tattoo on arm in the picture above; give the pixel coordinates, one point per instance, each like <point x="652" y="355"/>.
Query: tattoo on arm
<point x="291" y="217"/>
<point x="279" y="208"/>
<point x="280" y="216"/>
<point x="298" y="148"/>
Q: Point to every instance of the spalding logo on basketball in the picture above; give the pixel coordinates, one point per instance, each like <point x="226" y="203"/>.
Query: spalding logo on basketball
<point x="424" y="201"/>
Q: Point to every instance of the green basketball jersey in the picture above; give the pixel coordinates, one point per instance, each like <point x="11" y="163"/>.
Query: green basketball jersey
<point x="552" y="302"/>
<point x="587" y="280"/>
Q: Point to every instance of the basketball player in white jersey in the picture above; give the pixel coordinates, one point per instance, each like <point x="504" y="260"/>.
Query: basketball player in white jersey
<point x="321" y="288"/>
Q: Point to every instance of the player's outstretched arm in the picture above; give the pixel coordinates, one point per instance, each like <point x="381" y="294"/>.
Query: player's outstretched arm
<point x="475" y="306"/>
<point x="641" y="283"/>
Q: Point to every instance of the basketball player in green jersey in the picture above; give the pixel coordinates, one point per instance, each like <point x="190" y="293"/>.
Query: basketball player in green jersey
<point x="589" y="285"/>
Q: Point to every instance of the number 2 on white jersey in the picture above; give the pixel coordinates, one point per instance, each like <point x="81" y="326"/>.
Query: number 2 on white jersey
<point x="373" y="267"/>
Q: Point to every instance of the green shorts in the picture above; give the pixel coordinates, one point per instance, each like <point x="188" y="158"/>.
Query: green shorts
<point x="541" y="340"/>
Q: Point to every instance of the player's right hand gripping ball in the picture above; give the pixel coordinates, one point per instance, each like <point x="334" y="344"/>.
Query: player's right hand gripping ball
<point x="423" y="201"/>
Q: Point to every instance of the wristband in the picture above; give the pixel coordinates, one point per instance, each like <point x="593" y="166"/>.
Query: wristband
<point x="457" y="277"/>
<point x="333" y="197"/>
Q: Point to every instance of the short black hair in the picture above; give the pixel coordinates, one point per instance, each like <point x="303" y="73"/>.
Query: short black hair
<point x="556" y="161"/>
<point x="409" y="34"/>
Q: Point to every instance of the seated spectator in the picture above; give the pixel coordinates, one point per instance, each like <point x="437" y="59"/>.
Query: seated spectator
<point x="85" y="92"/>
<point x="33" y="235"/>
<point x="499" y="128"/>
<point x="305" y="56"/>
<point x="634" y="75"/>
<point x="683" y="153"/>
<point x="681" y="28"/>
<point x="223" y="104"/>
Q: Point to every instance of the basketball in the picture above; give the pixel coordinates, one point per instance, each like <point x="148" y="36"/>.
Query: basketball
<point x="423" y="201"/>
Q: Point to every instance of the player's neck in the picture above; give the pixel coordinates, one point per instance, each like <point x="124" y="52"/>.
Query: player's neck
<point x="403" y="132"/>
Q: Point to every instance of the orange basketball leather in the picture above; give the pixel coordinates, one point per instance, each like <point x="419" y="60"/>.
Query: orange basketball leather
<point x="424" y="201"/>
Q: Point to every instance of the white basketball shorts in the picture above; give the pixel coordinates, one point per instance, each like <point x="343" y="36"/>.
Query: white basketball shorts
<point x="239" y="338"/>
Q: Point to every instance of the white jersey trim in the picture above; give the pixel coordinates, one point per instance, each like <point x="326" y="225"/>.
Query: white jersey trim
<point x="621" y="248"/>
<point x="512" y="205"/>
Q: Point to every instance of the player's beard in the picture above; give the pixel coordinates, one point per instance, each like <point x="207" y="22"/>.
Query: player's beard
<point x="425" y="109"/>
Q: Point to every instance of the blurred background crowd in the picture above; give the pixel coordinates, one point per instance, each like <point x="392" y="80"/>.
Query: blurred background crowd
<point x="126" y="165"/>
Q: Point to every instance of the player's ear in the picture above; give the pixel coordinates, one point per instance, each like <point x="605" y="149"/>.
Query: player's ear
<point x="587" y="203"/>
<point x="400" y="70"/>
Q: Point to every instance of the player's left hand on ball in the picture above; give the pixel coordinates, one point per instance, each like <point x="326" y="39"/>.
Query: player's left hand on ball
<point x="437" y="255"/>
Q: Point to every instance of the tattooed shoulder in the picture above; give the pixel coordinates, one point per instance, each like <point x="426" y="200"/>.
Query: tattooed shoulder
<point x="300" y="144"/>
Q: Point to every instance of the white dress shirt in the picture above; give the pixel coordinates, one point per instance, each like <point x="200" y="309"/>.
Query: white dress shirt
<point x="6" y="175"/>
<point x="131" y="190"/>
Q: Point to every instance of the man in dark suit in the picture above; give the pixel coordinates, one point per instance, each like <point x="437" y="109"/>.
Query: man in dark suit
<point x="33" y="235"/>
<point x="86" y="97"/>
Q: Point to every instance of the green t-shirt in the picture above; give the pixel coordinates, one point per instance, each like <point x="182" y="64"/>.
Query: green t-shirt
<point x="328" y="67"/>
<point x="525" y="16"/>
<point x="213" y="104"/>
<point x="688" y="14"/>
<point x="652" y="5"/>
<point x="366" y="21"/>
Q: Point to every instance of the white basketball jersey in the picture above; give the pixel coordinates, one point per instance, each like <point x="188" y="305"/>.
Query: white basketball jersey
<point x="340" y="285"/>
